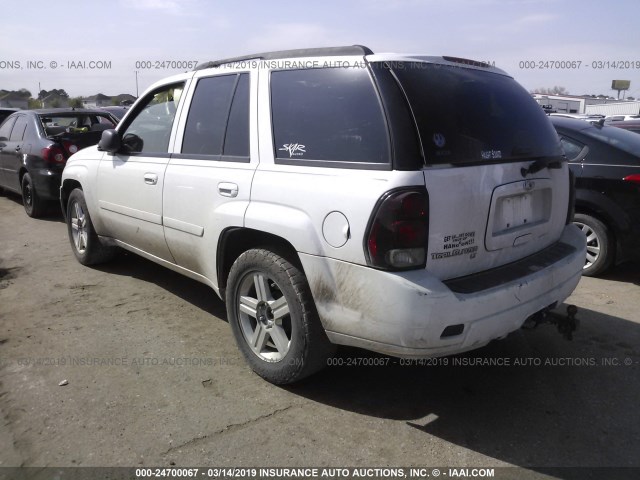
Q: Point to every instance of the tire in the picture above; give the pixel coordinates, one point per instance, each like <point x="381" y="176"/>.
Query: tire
<point x="85" y="243"/>
<point x="600" y="244"/>
<point x="33" y="205"/>
<point x="274" y="319"/>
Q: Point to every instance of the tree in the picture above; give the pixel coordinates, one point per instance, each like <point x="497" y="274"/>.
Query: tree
<point x="24" y="93"/>
<point x="34" y="103"/>
<point x="556" y="90"/>
<point x="56" y="91"/>
<point x="76" y="102"/>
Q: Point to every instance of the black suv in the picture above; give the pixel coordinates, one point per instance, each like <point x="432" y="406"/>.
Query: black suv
<point x="606" y="163"/>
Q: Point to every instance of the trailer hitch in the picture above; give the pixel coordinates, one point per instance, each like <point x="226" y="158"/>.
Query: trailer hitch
<point x="566" y="324"/>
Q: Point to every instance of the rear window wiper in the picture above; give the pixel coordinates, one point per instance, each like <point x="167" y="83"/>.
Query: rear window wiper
<point x="542" y="163"/>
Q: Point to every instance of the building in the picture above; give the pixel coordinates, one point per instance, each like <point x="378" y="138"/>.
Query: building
<point x="569" y="103"/>
<point x="53" y="100"/>
<point x="13" y="100"/>
<point x="100" y="100"/>
<point x="615" y="108"/>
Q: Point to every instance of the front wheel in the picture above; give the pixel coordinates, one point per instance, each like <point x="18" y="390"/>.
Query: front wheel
<point x="600" y="244"/>
<point x="85" y="243"/>
<point x="274" y="319"/>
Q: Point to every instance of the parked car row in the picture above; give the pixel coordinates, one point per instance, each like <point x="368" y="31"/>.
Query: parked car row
<point x="34" y="148"/>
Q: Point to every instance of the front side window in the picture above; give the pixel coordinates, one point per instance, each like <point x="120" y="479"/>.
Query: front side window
<point x="327" y="115"/>
<point x="150" y="129"/>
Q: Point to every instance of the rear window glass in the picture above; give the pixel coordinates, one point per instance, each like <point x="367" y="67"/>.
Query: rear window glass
<point x="75" y="123"/>
<point x="17" y="133"/>
<point x="328" y="115"/>
<point x="616" y="137"/>
<point x="471" y="116"/>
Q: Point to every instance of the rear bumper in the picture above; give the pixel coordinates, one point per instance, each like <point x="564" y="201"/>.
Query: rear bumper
<point x="46" y="183"/>
<point x="405" y="313"/>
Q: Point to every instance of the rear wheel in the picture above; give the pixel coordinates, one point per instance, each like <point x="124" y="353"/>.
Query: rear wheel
<point x="85" y="243"/>
<point x="600" y="244"/>
<point x="274" y="319"/>
<point x="33" y="205"/>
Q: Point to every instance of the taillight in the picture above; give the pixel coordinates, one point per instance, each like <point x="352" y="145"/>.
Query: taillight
<point x="635" y="178"/>
<point x="53" y="154"/>
<point x="571" y="210"/>
<point x="398" y="231"/>
<point x="70" y="147"/>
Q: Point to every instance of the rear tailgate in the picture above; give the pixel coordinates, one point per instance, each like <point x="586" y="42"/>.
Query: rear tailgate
<point x="494" y="217"/>
<point x="495" y="174"/>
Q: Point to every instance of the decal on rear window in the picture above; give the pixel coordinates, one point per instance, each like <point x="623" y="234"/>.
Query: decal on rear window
<point x="439" y="140"/>
<point x="490" y="154"/>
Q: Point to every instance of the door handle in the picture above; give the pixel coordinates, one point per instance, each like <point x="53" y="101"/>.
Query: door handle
<point x="18" y="148"/>
<point x="228" y="189"/>
<point x="150" y="178"/>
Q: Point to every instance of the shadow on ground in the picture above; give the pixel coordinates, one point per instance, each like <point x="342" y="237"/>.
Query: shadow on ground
<point x="198" y="294"/>
<point x="534" y="400"/>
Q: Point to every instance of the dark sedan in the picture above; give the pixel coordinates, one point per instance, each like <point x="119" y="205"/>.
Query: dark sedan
<point x="35" y="145"/>
<point x="606" y="163"/>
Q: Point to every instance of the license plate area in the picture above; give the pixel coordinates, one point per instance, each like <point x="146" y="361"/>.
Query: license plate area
<point x="519" y="213"/>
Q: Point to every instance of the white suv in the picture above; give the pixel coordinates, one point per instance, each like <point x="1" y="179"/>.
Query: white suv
<point x="410" y="205"/>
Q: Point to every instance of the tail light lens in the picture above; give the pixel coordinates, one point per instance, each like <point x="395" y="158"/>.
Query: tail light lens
<point x="53" y="154"/>
<point x="572" y="198"/>
<point x="635" y="178"/>
<point x="70" y="147"/>
<point x="398" y="231"/>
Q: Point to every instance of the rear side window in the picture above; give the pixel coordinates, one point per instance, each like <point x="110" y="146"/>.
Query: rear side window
<point x="236" y="142"/>
<point x="218" y="121"/>
<point x="327" y="116"/>
<point x="468" y="116"/>
<point x="616" y="137"/>
<point x="17" y="134"/>
<point x="571" y="148"/>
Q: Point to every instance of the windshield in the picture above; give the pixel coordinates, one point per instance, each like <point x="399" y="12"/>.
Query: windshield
<point x="471" y="116"/>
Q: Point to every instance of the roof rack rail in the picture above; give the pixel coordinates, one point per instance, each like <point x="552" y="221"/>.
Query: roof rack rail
<point x="298" y="53"/>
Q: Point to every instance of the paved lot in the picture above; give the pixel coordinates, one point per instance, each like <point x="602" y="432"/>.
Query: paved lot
<point x="154" y="377"/>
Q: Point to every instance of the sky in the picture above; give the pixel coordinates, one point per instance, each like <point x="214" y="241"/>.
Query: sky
<point x="97" y="46"/>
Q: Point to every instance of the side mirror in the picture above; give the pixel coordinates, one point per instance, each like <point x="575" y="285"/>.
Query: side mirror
<point x="110" y="141"/>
